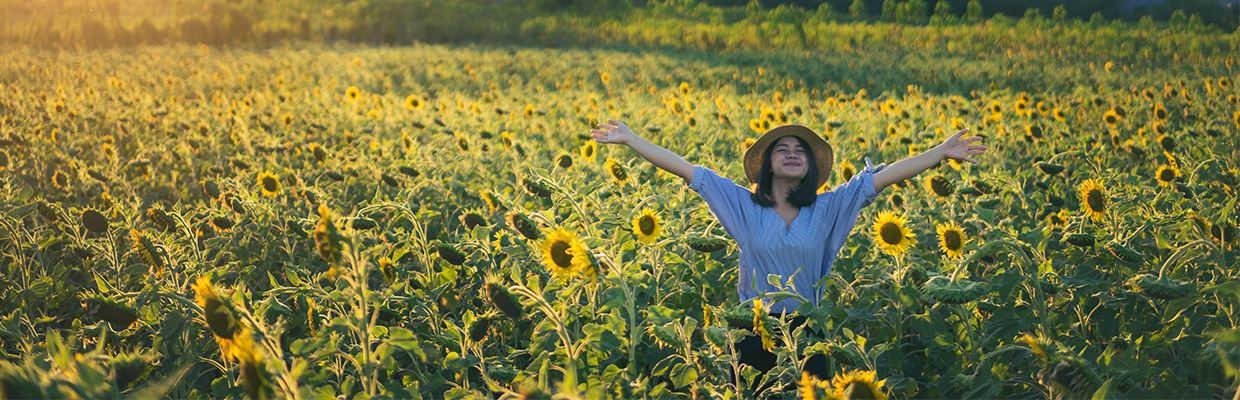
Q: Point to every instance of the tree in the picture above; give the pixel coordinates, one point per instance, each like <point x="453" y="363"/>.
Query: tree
<point x="857" y="9"/>
<point x="890" y="8"/>
<point x="974" y="11"/>
<point x="1096" y="20"/>
<point x="942" y="13"/>
<point x="915" y="10"/>
<point x="1178" y="19"/>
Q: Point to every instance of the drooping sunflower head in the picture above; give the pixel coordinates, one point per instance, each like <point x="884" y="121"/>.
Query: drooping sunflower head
<point x="854" y="385"/>
<point x="563" y="254"/>
<point x="1110" y="118"/>
<point x="1167" y="142"/>
<point x="1093" y="199"/>
<point x="472" y="219"/>
<point x="564" y="161"/>
<point x="589" y="151"/>
<point x="891" y="233"/>
<point x="1167" y="175"/>
<point x="269" y="184"/>
<point x="217" y="310"/>
<point x="648" y="226"/>
<point x="940" y="186"/>
<point x="847" y="170"/>
<point x="951" y="239"/>
<point x="94" y="221"/>
<point x="617" y="171"/>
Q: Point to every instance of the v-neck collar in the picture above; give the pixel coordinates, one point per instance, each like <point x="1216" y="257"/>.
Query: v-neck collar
<point x="788" y="225"/>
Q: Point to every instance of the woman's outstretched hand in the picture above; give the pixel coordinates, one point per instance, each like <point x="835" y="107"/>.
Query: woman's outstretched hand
<point x="959" y="149"/>
<point x="613" y="132"/>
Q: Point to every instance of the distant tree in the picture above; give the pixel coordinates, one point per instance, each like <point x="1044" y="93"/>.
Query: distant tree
<point x="1178" y="19"/>
<point x="942" y="13"/>
<point x="915" y="10"/>
<point x="857" y="9"/>
<point x="1146" y="23"/>
<point x="825" y="11"/>
<point x="1097" y="20"/>
<point x="890" y="8"/>
<point x="1060" y="14"/>
<point x="974" y="11"/>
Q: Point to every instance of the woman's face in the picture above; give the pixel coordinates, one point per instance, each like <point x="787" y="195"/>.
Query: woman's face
<point x="788" y="158"/>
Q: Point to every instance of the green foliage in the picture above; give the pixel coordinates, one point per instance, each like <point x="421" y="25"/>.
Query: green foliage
<point x="432" y="283"/>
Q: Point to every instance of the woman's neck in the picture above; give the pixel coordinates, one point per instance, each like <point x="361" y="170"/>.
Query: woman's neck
<point x="780" y="188"/>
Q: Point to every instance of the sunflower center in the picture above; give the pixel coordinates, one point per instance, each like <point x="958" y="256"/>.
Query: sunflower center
<point x="1167" y="175"/>
<point x="270" y="184"/>
<point x="618" y="173"/>
<point x="848" y="173"/>
<point x="891" y="234"/>
<point x="859" y="391"/>
<point x="952" y="240"/>
<point x="559" y="254"/>
<point x="589" y="152"/>
<point x="647" y="225"/>
<point x="1110" y="119"/>
<point x="219" y="319"/>
<point x="940" y="187"/>
<point x="1095" y="201"/>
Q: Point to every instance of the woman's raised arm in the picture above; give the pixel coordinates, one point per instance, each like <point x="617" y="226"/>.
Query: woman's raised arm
<point x="954" y="148"/>
<point x="617" y="132"/>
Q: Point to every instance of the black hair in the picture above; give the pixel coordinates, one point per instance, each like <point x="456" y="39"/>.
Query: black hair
<point x="805" y="193"/>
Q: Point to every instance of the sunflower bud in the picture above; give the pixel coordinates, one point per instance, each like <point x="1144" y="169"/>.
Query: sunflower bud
<point x="327" y="237"/>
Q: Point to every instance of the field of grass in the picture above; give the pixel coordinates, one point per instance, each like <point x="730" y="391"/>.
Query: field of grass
<point x="314" y="220"/>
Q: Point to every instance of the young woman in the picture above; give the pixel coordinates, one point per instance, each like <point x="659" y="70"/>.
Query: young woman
<point x="784" y="224"/>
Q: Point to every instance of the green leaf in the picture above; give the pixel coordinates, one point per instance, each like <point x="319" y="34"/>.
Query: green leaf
<point x="1231" y="288"/>
<point x="683" y="375"/>
<point x="23" y="195"/>
<point x="1227" y="210"/>
<point x="402" y="338"/>
<point x="1103" y="392"/>
<point x="19" y="212"/>
<point x="306" y="347"/>
<point x="103" y="283"/>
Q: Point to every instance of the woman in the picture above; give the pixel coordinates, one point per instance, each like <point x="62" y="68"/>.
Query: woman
<point x="783" y="225"/>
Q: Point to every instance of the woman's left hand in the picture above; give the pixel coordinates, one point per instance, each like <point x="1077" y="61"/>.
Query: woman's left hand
<point x="957" y="148"/>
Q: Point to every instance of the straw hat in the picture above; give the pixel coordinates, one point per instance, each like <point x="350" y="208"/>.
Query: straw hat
<point x="817" y="145"/>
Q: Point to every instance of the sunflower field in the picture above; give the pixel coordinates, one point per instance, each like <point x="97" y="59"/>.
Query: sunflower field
<point x="312" y="220"/>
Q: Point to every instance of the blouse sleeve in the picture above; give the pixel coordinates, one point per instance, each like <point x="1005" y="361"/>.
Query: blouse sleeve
<point x="728" y="201"/>
<point x="848" y="199"/>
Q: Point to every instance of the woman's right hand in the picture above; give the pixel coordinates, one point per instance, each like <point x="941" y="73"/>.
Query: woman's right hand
<point x="613" y="132"/>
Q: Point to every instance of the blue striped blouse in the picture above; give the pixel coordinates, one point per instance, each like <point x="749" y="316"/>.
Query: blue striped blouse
<point x="768" y="245"/>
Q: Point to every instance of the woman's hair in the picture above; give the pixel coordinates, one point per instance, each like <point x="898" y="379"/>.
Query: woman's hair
<point x="804" y="195"/>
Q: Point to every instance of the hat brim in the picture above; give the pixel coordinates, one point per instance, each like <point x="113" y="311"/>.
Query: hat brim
<point x="823" y="156"/>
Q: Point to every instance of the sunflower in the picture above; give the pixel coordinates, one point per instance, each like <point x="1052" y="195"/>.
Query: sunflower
<point x="951" y="239"/>
<point x="1167" y="175"/>
<point x="220" y="317"/>
<point x="1224" y="83"/>
<point x="269" y="183"/>
<point x="858" y="385"/>
<point x="940" y="186"/>
<point x="413" y="102"/>
<point x="353" y="93"/>
<point x="589" y="151"/>
<point x="892" y="234"/>
<point x="647" y="226"/>
<point x="1110" y="118"/>
<point x="847" y="170"/>
<point x="996" y="107"/>
<point x="286" y="119"/>
<point x="564" y="255"/>
<point x="1160" y="112"/>
<point x="1059" y="115"/>
<point x="1093" y="199"/>
<point x="617" y="170"/>
<point x="60" y="180"/>
<point x="1058" y="220"/>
